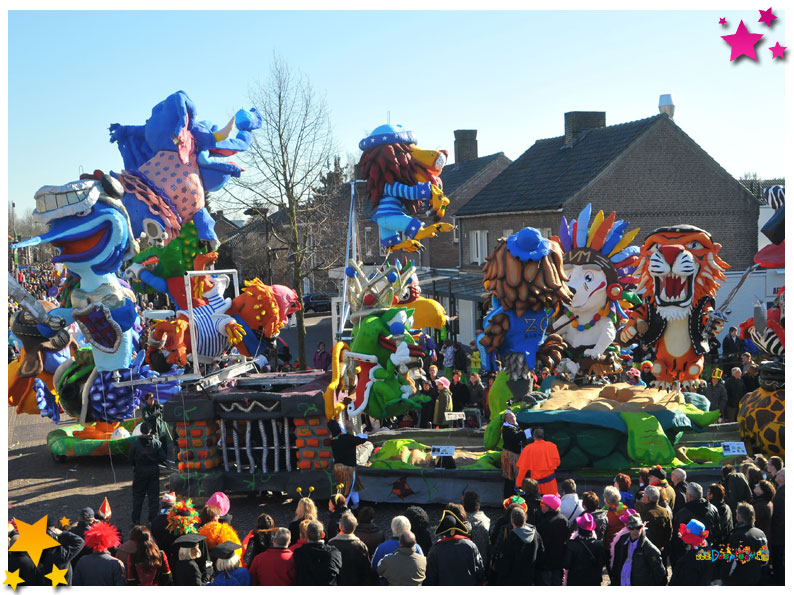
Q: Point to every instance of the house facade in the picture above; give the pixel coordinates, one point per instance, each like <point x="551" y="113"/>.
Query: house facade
<point x="648" y="171"/>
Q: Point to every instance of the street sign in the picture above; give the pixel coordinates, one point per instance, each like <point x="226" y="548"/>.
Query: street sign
<point x="442" y="451"/>
<point x="733" y="449"/>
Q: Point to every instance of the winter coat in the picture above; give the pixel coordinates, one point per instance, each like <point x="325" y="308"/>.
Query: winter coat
<point x="480" y="525"/>
<point x="355" y="560"/>
<point x="720" y="535"/>
<point x="239" y="577"/>
<point x="518" y="560"/>
<point x="717" y="396"/>
<point x="162" y="536"/>
<point x="554" y="532"/>
<point x="736" y="390"/>
<point x="454" y="561"/>
<point x="387" y="547"/>
<point x="460" y="396"/>
<point x="777" y="533"/>
<point x="689" y="571"/>
<point x="332" y="527"/>
<point x="763" y="514"/>
<point x="317" y="564"/>
<point x="275" y="567"/>
<point x="477" y="394"/>
<point x="371" y="535"/>
<point x="443" y="403"/>
<point x="614" y="524"/>
<point x="258" y="542"/>
<point x="668" y="494"/>
<point x="659" y="526"/>
<point x="61" y="556"/>
<point x="680" y="496"/>
<point x="602" y="521"/>
<point x="143" y="574"/>
<point x="647" y="568"/>
<point x="99" y="570"/>
<point x="187" y="573"/>
<point x="702" y="510"/>
<point x="737" y="490"/>
<point x="403" y="568"/>
<point x="749" y="573"/>
<point x="571" y="508"/>
<point x="584" y="559"/>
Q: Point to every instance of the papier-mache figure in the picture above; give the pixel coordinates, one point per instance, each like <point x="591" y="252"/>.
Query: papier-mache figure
<point x="402" y="183"/>
<point x="598" y="261"/>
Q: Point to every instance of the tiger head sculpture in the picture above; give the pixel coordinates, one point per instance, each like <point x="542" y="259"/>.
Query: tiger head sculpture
<point x="679" y="265"/>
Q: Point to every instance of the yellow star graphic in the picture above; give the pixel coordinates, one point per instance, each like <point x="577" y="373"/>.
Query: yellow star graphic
<point x="57" y="576"/>
<point x="33" y="539"/>
<point x="12" y="579"/>
<point x="65" y="522"/>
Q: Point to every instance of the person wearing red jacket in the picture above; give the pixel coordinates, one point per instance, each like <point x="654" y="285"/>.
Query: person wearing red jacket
<point x="275" y="567"/>
<point x="541" y="459"/>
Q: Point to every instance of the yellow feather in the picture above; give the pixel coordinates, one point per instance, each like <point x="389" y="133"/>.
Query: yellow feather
<point x="625" y="241"/>
<point x="599" y="219"/>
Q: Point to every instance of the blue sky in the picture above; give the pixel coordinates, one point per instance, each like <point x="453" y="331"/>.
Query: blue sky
<point x="510" y="75"/>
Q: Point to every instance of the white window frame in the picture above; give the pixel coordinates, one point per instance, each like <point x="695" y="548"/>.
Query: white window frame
<point x="478" y="246"/>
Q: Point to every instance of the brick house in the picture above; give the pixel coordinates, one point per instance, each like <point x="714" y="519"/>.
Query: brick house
<point x="649" y="171"/>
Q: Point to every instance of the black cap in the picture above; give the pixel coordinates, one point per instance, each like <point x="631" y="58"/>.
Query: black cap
<point x="189" y="540"/>
<point x="87" y="514"/>
<point x="657" y="472"/>
<point x="225" y="550"/>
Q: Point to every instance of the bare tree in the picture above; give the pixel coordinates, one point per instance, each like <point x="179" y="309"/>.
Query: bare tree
<point x="286" y="161"/>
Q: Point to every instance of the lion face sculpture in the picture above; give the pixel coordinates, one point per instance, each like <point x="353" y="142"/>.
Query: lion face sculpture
<point x="678" y="266"/>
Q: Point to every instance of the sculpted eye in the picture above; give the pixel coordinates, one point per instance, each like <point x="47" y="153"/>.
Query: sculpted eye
<point x="654" y="247"/>
<point x="695" y="246"/>
<point x="588" y="277"/>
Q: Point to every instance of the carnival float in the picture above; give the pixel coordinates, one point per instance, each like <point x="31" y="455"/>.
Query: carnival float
<point x="570" y="303"/>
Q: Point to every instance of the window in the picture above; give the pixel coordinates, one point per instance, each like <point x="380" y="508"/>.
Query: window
<point x="478" y="246"/>
<point x="545" y="231"/>
<point x="455" y="231"/>
<point x="506" y="233"/>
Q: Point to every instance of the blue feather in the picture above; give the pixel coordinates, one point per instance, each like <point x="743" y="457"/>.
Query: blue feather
<point x="583" y="222"/>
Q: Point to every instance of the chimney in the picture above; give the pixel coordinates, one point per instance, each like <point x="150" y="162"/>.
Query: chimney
<point x="219" y="214"/>
<point x="666" y="105"/>
<point x="465" y="145"/>
<point x="578" y="122"/>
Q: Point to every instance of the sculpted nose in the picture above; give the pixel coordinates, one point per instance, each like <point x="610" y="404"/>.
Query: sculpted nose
<point x="670" y="252"/>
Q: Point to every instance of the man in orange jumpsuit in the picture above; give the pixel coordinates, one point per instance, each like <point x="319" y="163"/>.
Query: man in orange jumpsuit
<point x="540" y="459"/>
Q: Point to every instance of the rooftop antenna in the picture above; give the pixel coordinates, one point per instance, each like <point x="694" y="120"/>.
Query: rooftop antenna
<point x="666" y="105"/>
<point x="388" y="117"/>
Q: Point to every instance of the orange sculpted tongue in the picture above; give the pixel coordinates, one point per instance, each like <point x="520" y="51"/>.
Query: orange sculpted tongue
<point x="80" y="246"/>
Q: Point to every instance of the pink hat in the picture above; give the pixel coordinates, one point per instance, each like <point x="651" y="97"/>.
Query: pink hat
<point x="586" y="522"/>
<point x="443" y="381"/>
<point x="633" y="372"/>
<point x="552" y="501"/>
<point x="629" y="512"/>
<point x="220" y="500"/>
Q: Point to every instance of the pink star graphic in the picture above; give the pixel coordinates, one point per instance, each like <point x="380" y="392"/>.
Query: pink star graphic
<point x="743" y="42"/>
<point x="778" y="50"/>
<point x="767" y="17"/>
<point x="723" y="22"/>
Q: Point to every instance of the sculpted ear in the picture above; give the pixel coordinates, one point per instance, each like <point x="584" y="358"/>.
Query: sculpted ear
<point x="717" y="247"/>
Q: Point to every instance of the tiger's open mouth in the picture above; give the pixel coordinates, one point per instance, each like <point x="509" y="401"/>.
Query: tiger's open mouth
<point x="673" y="290"/>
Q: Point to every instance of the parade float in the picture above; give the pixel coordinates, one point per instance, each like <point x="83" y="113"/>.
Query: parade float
<point x="563" y="302"/>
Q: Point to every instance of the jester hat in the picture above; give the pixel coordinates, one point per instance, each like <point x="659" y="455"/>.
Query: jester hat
<point x="694" y="533"/>
<point x="604" y="243"/>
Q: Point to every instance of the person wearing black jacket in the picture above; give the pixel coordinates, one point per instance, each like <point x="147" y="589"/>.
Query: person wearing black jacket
<point x="343" y="449"/>
<point x="356" y="568"/>
<point x="454" y="560"/>
<point x="20" y="561"/>
<point x="513" y="439"/>
<point x="693" y="569"/>
<point x="744" y="534"/>
<point x="678" y="478"/>
<point x="554" y="531"/>
<point x="316" y="563"/>
<point x="337" y="506"/>
<point x="645" y="568"/>
<point x="585" y="555"/>
<point x="145" y="454"/>
<point x="696" y="507"/>
<point x="717" y="498"/>
<point x="777" y="535"/>
<point x="736" y="389"/>
<point x="190" y="567"/>
<point x="60" y="556"/>
<point x="517" y="560"/>
<point x="460" y="392"/>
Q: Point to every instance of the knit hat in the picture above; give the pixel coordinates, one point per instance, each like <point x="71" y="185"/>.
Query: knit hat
<point x="586" y="522"/>
<point x="220" y="500"/>
<point x="551" y="500"/>
<point x="634" y="522"/>
<point x="515" y="500"/>
<point x="102" y="536"/>
<point x="528" y="245"/>
<point x="627" y="514"/>
<point x="657" y="473"/>
<point x="693" y="533"/>
<point x="450" y="524"/>
<point x="443" y="381"/>
<point x="717" y="373"/>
